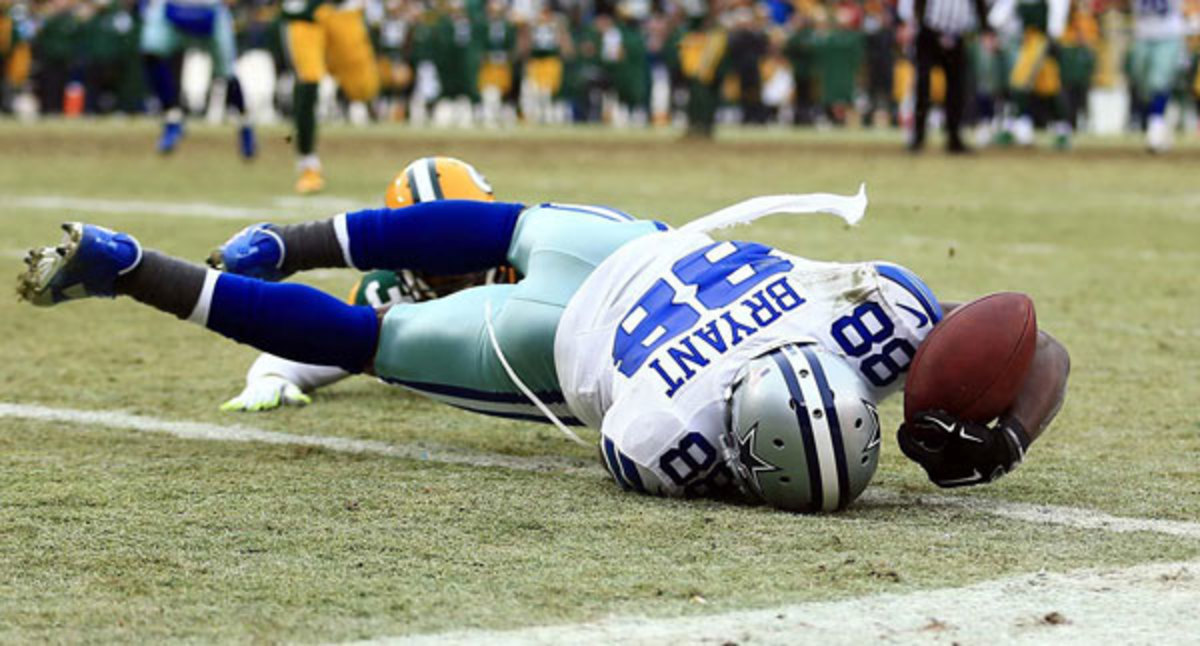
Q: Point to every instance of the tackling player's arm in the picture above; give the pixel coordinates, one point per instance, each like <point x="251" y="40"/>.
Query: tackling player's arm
<point x="957" y="453"/>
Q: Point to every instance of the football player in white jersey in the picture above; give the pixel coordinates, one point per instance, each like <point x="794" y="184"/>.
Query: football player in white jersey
<point x="1156" y="59"/>
<point x="169" y="27"/>
<point x="708" y="367"/>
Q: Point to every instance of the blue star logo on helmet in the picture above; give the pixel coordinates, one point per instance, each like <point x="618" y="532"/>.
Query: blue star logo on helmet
<point x="753" y="463"/>
<point x="877" y="436"/>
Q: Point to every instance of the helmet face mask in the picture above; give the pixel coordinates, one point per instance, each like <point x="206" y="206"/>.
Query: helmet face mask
<point x="803" y="433"/>
<point x="417" y="286"/>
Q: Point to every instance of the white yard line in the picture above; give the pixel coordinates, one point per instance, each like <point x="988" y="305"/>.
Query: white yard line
<point x="85" y="206"/>
<point x="1038" y="514"/>
<point x="330" y="203"/>
<point x="1145" y="604"/>
<point x="238" y="433"/>
<point x="285" y="209"/>
<point x="1149" y="603"/>
<point x="1025" y="512"/>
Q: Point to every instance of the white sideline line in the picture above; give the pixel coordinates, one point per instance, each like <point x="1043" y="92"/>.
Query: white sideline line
<point x="1038" y="514"/>
<point x="329" y="203"/>
<point x="98" y="205"/>
<point x="237" y="433"/>
<point x="1148" y="603"/>
<point x="286" y="208"/>
<point x="1145" y="604"/>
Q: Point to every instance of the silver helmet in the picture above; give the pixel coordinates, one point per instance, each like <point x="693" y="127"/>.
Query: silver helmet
<point x="803" y="433"/>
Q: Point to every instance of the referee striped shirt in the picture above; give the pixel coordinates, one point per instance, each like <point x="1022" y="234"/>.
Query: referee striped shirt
<point x="953" y="17"/>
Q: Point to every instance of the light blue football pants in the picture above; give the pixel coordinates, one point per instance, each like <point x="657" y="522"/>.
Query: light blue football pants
<point x="442" y="349"/>
<point x="1155" y="62"/>
<point x="161" y="37"/>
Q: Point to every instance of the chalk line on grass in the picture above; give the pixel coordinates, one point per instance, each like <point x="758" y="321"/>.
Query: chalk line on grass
<point x="1147" y="603"/>
<point x="284" y="209"/>
<point x="238" y="433"/>
<point x="1144" y="604"/>
<point x="1025" y="512"/>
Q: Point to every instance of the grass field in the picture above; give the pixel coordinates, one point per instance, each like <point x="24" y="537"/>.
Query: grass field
<point x="111" y="533"/>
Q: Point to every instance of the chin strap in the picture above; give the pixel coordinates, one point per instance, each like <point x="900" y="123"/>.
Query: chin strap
<point x="850" y="208"/>
<point x="512" y="374"/>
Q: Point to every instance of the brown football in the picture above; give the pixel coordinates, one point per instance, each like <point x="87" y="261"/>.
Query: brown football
<point x="974" y="361"/>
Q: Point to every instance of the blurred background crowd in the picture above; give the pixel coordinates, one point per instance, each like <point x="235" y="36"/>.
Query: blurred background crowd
<point x="832" y="63"/>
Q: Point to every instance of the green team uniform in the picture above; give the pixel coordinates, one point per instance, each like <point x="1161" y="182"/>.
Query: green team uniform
<point x="499" y="44"/>
<point x="500" y="40"/>
<point x="391" y="38"/>
<point x="1078" y="63"/>
<point x="424" y="40"/>
<point x="1034" y="14"/>
<point x="800" y="51"/>
<point x="703" y="56"/>
<point x="839" y="55"/>
<point x="57" y="37"/>
<point x="1035" y="49"/>
<point x="111" y="39"/>
<point x="457" y="55"/>
<point x="544" y="38"/>
<point x="631" y="72"/>
<point x="584" y="65"/>
<point x="15" y="56"/>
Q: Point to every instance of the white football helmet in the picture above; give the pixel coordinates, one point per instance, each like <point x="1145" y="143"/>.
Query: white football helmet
<point x="803" y="433"/>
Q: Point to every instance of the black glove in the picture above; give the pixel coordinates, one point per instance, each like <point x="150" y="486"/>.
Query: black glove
<point x="955" y="453"/>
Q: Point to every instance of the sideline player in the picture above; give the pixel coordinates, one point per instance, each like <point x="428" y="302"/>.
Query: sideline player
<point x="705" y="365"/>
<point x="1158" y="50"/>
<point x="323" y="38"/>
<point x="168" y="28"/>
<point x="16" y="50"/>
<point x="1036" y="71"/>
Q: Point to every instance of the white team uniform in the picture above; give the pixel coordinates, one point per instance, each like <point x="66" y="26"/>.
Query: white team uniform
<point x="650" y="343"/>
<point x="1158" y="19"/>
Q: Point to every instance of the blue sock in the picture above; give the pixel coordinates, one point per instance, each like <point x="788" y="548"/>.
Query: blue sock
<point x="443" y="237"/>
<point x="162" y="79"/>
<point x="233" y="96"/>
<point x="1158" y="104"/>
<point x="293" y="321"/>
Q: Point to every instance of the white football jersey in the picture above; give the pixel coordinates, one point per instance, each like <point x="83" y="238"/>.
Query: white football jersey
<point x="652" y="340"/>
<point x="1158" y="19"/>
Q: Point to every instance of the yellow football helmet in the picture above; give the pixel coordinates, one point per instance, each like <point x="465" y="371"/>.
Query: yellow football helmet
<point x="437" y="178"/>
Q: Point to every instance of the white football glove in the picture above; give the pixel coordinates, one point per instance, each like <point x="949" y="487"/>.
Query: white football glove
<point x="267" y="392"/>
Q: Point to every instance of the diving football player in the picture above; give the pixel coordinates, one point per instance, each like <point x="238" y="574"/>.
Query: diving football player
<point x="708" y="367"/>
<point x="274" y="381"/>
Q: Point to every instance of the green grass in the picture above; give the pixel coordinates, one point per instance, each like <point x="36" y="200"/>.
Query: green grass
<point x="111" y="534"/>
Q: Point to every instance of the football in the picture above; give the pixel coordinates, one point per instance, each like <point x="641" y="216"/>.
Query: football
<point x="974" y="361"/>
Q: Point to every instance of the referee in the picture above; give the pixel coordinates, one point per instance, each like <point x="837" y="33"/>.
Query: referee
<point x="941" y="28"/>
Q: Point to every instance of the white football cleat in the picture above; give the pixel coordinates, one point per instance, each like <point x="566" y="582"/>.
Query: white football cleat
<point x="1158" y="135"/>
